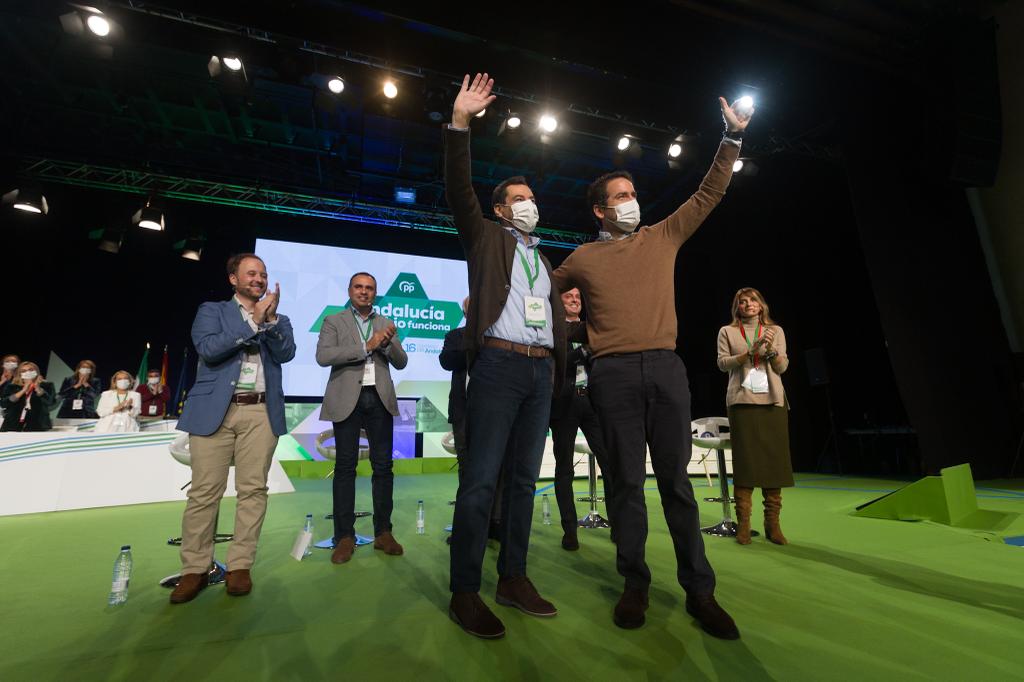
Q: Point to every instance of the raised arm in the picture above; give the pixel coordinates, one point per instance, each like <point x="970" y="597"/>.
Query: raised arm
<point x="458" y="175"/>
<point x="214" y="342"/>
<point x="727" y="360"/>
<point x="332" y="350"/>
<point x="780" y="363"/>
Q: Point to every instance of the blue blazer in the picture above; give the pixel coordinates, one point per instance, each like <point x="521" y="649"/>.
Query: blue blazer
<point x="219" y="334"/>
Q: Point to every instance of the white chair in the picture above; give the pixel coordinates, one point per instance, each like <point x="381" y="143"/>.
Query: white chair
<point x="593" y="519"/>
<point x="707" y="433"/>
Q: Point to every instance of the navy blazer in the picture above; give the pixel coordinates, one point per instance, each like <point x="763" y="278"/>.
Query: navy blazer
<point x="220" y="334"/>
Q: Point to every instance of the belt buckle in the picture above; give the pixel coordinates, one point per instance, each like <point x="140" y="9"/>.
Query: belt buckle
<point x="529" y="348"/>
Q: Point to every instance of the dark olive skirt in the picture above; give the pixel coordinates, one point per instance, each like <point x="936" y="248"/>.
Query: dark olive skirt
<point x="760" y="446"/>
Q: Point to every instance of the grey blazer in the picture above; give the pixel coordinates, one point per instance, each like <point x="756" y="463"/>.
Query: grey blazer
<point x="340" y="347"/>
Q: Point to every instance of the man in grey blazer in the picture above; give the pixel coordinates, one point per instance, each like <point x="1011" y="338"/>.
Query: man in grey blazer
<point x="358" y="345"/>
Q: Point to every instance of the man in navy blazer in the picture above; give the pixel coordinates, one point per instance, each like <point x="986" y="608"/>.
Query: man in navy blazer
<point x="234" y="415"/>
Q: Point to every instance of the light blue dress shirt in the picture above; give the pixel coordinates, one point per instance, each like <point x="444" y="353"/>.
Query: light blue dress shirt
<point x="511" y="326"/>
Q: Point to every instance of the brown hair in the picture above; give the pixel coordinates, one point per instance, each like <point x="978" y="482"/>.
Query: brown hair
<point x="237" y="259"/>
<point x="17" y="373"/>
<point x="765" y="316"/>
<point x="113" y="379"/>
<point x="86" y="363"/>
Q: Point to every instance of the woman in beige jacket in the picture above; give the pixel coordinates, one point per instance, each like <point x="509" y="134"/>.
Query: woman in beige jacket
<point x="753" y="351"/>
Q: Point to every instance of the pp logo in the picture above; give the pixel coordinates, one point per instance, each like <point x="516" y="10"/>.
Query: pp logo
<point x="407" y="287"/>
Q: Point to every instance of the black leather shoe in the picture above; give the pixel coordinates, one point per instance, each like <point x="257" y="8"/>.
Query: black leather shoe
<point x="570" y="543"/>
<point x="712" y="617"/>
<point x="629" y="612"/>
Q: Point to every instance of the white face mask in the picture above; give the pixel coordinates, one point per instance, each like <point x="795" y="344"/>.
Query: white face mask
<point x="29" y="375"/>
<point x="85" y="371"/>
<point x="10" y="366"/>
<point x="123" y="384"/>
<point x="627" y="216"/>
<point x="153" y="381"/>
<point x="525" y="215"/>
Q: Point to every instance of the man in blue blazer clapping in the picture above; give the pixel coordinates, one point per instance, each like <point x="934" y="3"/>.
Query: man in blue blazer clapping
<point x="234" y="414"/>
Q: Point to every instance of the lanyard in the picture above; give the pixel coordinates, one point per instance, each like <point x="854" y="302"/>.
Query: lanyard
<point x="531" y="278"/>
<point x="744" y="333"/>
<point x="369" y="326"/>
<point x="119" y="398"/>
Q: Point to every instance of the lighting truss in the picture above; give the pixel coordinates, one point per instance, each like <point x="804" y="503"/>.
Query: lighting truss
<point x="256" y="197"/>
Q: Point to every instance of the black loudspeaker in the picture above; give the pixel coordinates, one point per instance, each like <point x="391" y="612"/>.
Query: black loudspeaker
<point x="817" y="369"/>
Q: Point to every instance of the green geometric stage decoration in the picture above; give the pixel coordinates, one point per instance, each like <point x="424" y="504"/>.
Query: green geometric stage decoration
<point x="949" y="499"/>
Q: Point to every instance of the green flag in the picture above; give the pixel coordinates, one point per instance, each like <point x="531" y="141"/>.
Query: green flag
<point x="143" y="368"/>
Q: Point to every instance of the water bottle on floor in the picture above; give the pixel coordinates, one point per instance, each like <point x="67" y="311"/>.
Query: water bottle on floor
<point x="545" y="507"/>
<point x="122" y="576"/>
<point x="308" y="528"/>
<point x="420" y="526"/>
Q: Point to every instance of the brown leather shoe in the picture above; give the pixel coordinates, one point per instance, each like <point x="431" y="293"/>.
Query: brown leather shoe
<point x="520" y="593"/>
<point x="629" y="612"/>
<point x="238" y="583"/>
<point x="712" y="617"/>
<point x="190" y="585"/>
<point x="386" y="543"/>
<point x="471" y="614"/>
<point x="343" y="549"/>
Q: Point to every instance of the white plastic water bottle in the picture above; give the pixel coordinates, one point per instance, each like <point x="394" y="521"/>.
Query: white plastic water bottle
<point x="545" y="507"/>
<point x="420" y="525"/>
<point x="122" y="576"/>
<point x="308" y="528"/>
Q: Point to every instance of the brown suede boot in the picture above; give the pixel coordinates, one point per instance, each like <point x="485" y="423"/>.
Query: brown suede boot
<point x="772" y="508"/>
<point x="743" y="507"/>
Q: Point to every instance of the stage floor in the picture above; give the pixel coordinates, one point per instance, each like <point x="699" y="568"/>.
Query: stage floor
<point x="850" y="598"/>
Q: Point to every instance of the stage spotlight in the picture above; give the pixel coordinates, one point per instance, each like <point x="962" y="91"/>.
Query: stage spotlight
<point x="191" y="248"/>
<point x="674" y="150"/>
<point x="513" y="121"/>
<point x="481" y="114"/>
<point x="230" y="64"/>
<point x="98" y="25"/>
<point x="233" y="63"/>
<point x="744" y="105"/>
<point x="548" y="123"/>
<point x="336" y="85"/>
<point x="110" y="239"/>
<point x="390" y="89"/>
<point x="623" y="143"/>
<point x="27" y="200"/>
<point x="149" y="218"/>
<point x="737" y="166"/>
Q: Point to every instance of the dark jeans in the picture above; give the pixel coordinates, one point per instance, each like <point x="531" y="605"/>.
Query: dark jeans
<point x="581" y="415"/>
<point x="646" y="396"/>
<point x="462" y="454"/>
<point x="509" y="397"/>
<point x="370" y="414"/>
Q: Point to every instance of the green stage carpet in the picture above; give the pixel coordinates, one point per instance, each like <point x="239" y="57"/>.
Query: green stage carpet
<point x="850" y="598"/>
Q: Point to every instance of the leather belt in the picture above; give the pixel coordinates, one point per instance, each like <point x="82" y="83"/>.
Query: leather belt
<point x="249" y="398"/>
<point x="522" y="349"/>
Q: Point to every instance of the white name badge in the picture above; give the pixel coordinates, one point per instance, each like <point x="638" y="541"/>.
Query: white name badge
<point x="247" y="379"/>
<point x="535" y="311"/>
<point x="581" y="375"/>
<point x="369" y="373"/>
<point x="152" y="409"/>
<point x="756" y="381"/>
<point x="77" y="404"/>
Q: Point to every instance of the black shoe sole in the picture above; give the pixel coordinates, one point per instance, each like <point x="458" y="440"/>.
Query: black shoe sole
<point x="455" y="619"/>
<point x="628" y="625"/>
<point x="505" y="601"/>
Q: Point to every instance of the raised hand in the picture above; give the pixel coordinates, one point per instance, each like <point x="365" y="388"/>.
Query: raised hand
<point x="259" y="311"/>
<point x="734" y="121"/>
<point x="272" y="310"/>
<point x="472" y="99"/>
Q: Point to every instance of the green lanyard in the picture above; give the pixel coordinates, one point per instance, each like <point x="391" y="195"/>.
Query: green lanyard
<point x="530" y="277"/>
<point x="369" y="326"/>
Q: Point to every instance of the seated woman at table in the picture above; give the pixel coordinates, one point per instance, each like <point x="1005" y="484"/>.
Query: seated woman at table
<point x="752" y="349"/>
<point x="80" y="392"/>
<point x="28" y="399"/>
<point x="119" y="407"/>
<point x="11" y="363"/>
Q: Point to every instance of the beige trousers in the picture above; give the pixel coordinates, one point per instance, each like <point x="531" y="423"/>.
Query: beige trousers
<point x="246" y="440"/>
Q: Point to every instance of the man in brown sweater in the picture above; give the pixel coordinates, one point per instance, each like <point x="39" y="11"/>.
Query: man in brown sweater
<point x="638" y="384"/>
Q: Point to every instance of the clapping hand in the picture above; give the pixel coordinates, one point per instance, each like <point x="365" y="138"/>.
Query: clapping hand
<point x="735" y="121"/>
<point x="265" y="309"/>
<point x="472" y="99"/>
